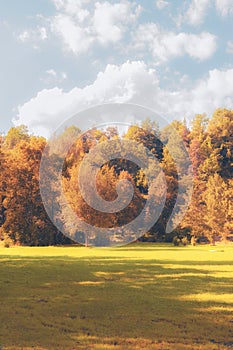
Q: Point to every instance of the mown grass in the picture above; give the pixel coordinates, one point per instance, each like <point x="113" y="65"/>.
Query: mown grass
<point x="142" y="296"/>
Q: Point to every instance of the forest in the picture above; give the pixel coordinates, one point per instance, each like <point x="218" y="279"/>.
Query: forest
<point x="209" y="217"/>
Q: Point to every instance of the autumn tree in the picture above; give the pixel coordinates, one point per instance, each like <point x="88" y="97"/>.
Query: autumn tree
<point x="220" y="130"/>
<point x="209" y="144"/>
<point x="16" y="135"/>
<point x="26" y="220"/>
<point x="217" y="206"/>
<point x="3" y="175"/>
<point x="195" y="216"/>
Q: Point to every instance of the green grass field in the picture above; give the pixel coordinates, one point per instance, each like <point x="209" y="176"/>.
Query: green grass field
<point x="142" y="296"/>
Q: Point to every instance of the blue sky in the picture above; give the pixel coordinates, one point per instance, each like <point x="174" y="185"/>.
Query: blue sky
<point x="61" y="56"/>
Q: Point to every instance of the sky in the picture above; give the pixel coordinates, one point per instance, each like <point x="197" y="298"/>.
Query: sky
<point x="61" y="56"/>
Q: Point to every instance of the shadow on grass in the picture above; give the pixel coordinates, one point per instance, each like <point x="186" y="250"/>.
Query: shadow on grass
<point x="63" y="302"/>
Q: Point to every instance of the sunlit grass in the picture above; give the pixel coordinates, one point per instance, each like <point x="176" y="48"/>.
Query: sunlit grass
<point x="142" y="296"/>
<point x="224" y="298"/>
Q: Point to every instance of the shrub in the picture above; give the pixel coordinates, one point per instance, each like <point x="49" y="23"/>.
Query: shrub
<point x="184" y="241"/>
<point x="6" y="242"/>
<point x="176" y="241"/>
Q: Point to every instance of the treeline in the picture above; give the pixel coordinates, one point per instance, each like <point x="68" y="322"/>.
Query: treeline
<point x="209" y="142"/>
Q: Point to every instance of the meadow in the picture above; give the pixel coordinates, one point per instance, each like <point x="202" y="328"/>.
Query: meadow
<point x="141" y="296"/>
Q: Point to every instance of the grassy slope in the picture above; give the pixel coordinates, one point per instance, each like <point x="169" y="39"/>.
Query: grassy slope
<point x="135" y="297"/>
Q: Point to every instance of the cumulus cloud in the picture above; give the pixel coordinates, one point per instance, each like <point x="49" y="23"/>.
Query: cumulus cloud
<point x="116" y="84"/>
<point x="112" y="20"/>
<point x="73" y="7"/>
<point x="131" y="82"/>
<point x="197" y="11"/>
<point x="75" y="37"/>
<point x="161" y="4"/>
<point x="52" y="73"/>
<point x="165" y="45"/>
<point x="52" y="76"/>
<point x="225" y="7"/>
<point x="215" y="91"/>
<point x="24" y="36"/>
<point x="83" y="23"/>
<point x="40" y="33"/>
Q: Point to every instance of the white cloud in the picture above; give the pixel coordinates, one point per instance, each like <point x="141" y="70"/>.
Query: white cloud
<point x="52" y="72"/>
<point x="131" y="82"/>
<point x="116" y="84"/>
<point x="229" y="47"/>
<point x="161" y="4"/>
<point x="24" y="36"/>
<point x="51" y="76"/>
<point x="76" y="38"/>
<point x="72" y="7"/>
<point x="215" y="91"/>
<point x="33" y="35"/>
<point x="83" y="23"/>
<point x="165" y="45"/>
<point x="111" y="20"/>
<point x="225" y="7"/>
<point x="42" y="33"/>
<point x="197" y="11"/>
